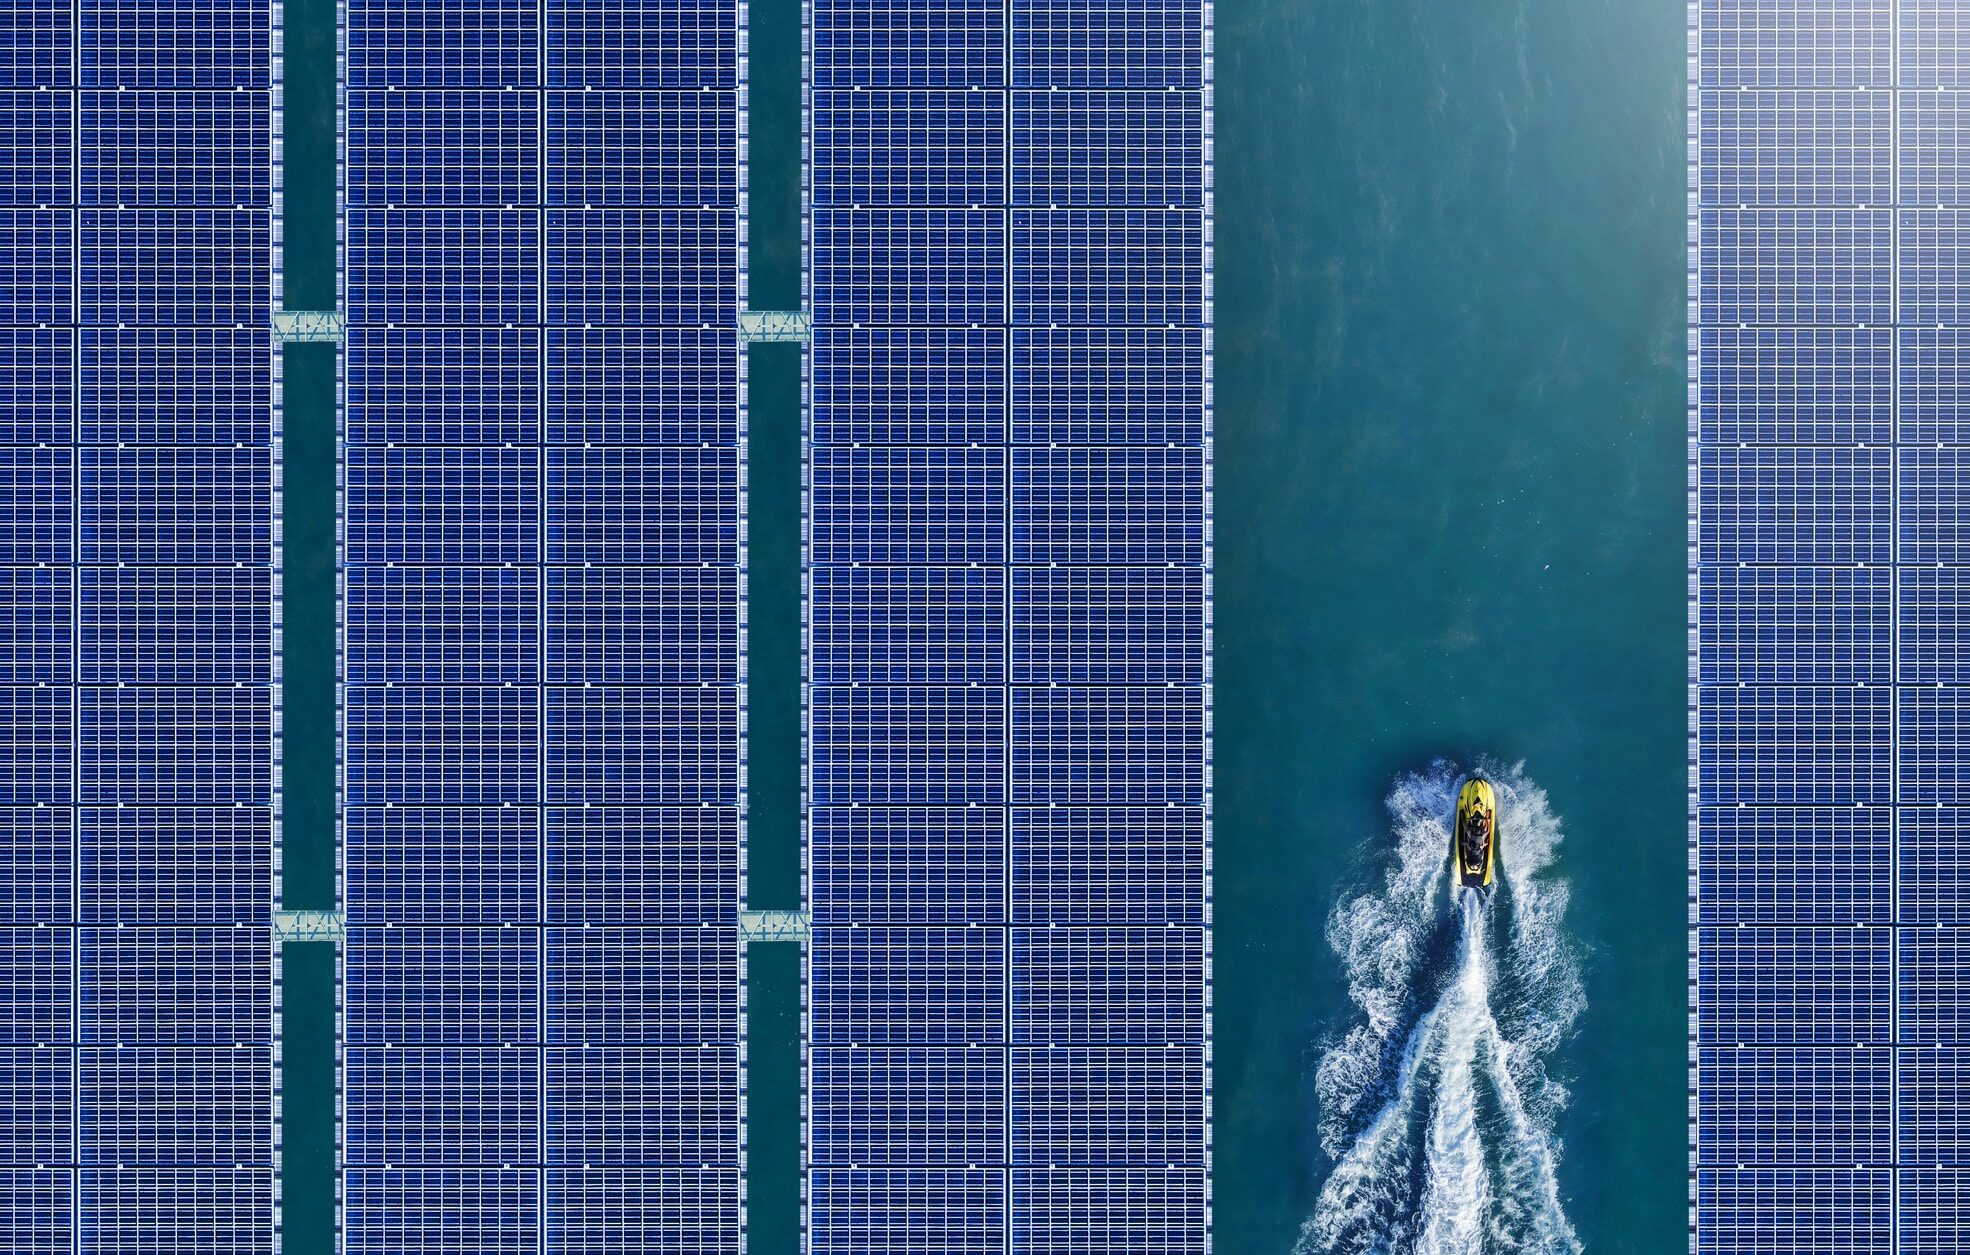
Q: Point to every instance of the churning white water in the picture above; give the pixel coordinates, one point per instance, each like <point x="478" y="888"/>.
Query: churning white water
<point x="1436" y="1105"/>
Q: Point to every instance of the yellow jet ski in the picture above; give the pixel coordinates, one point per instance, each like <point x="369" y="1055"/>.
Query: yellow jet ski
<point x="1474" y="844"/>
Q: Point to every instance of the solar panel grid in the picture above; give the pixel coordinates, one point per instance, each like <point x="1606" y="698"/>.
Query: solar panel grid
<point x="1793" y="1105"/>
<point x="896" y="1211"/>
<point x="1008" y="590"/>
<point x="1108" y="626"/>
<point x="182" y="386"/>
<point x="642" y="148"/>
<point x="1797" y="625"/>
<point x="1794" y="986"/>
<point x="139" y="412"/>
<point x="38" y="396"/>
<point x="543" y="445"/>
<point x="1796" y="385"/>
<point x="175" y="148"/>
<point x="1824" y="230"/>
<point x="1766" y="1211"/>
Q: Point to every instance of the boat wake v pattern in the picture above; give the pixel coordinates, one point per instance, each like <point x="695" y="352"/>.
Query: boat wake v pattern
<point x="1437" y="1106"/>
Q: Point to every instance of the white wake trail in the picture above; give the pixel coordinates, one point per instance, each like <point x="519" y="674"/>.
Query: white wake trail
<point x="1436" y="1106"/>
<point x="1455" y="1201"/>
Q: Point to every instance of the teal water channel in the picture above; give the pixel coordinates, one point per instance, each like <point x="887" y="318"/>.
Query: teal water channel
<point x="1450" y="522"/>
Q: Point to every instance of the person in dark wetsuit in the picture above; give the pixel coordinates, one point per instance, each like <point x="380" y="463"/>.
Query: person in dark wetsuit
<point x="1476" y="832"/>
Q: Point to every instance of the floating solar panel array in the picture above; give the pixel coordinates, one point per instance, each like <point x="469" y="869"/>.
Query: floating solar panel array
<point x="1830" y="624"/>
<point x="138" y="764"/>
<point x="542" y="574"/>
<point x="1008" y="477"/>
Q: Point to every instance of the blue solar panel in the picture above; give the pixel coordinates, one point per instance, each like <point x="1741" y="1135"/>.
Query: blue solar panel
<point x="886" y="986"/>
<point x="907" y="865"/>
<point x="908" y="266"/>
<point x="1788" y="267"/>
<point x="661" y="386"/>
<point x="37" y="266"/>
<point x="1743" y="876"/>
<point x="37" y="385"/>
<point x="429" y="746"/>
<point x="1783" y="1105"/>
<point x="912" y="148"/>
<point x="543" y="614"/>
<point x="620" y="1211"/>
<point x="896" y="1211"/>
<point x="1161" y="1211"/>
<point x="1109" y="44"/>
<point x="450" y="148"/>
<point x="138" y="422"/>
<point x="177" y="1211"/>
<point x="168" y="1106"/>
<point x="447" y="1106"/>
<point x="642" y="864"/>
<point x="1825" y="616"/>
<point x="36" y="129"/>
<point x="187" y="267"/>
<point x="1934" y="1210"/>
<point x="167" y="43"/>
<point x="907" y="625"/>
<point x="37" y="44"/>
<point x="642" y="504"/>
<point x="178" y="386"/>
<point x="436" y="43"/>
<point x="642" y="148"/>
<point x="1794" y="986"/>
<point x="1111" y="1106"/>
<point x="645" y="1105"/>
<point x="36" y="630"/>
<point x="1770" y="1211"/>
<point x="675" y="986"/>
<point x="1007" y="630"/>
<point x="38" y="965"/>
<point x="37" y="853"/>
<point x="491" y="1210"/>
<point x="1796" y="385"/>
<point x="182" y="149"/>
<point x="441" y="865"/>
<point x="37" y="1209"/>
<point x="195" y="986"/>
<point x="644" y="44"/>
<point x="642" y="746"/>
<point x="1933" y="37"/>
<point x="1796" y="148"/>
<point x="1794" y="43"/>
<point x="642" y="267"/>
<point x="1107" y="267"/>
<point x="642" y="625"/>
<point x="908" y="43"/>
<point x="178" y="864"/>
<point x="907" y="386"/>
<point x="424" y="986"/>
<point x="1796" y="625"/>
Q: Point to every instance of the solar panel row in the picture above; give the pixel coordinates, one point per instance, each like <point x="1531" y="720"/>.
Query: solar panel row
<point x="137" y="658"/>
<point x="543" y="556"/>
<point x="1008" y="643"/>
<point x="1826" y="620"/>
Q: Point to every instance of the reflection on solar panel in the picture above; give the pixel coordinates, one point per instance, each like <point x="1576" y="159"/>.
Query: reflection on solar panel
<point x="1828" y="624"/>
<point x="1008" y="626"/>
<point x="138" y="769"/>
<point x="543" y="557"/>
